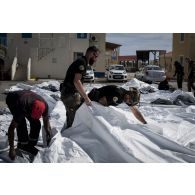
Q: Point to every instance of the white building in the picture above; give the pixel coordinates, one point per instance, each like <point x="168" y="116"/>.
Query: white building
<point x="48" y="55"/>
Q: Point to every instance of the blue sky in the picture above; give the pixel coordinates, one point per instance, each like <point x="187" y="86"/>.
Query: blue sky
<point x="140" y="41"/>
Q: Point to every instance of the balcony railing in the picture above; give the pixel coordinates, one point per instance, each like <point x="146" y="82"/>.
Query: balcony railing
<point x="42" y="52"/>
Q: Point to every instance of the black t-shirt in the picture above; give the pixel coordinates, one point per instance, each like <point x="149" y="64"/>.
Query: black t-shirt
<point x="179" y="69"/>
<point x="163" y="85"/>
<point x="192" y="70"/>
<point x="20" y="104"/>
<point x="113" y="94"/>
<point x="78" y="66"/>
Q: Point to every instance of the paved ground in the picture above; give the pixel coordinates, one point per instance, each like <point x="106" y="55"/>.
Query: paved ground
<point x="7" y="84"/>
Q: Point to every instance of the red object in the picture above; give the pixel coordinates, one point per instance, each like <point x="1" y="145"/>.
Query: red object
<point x="37" y="109"/>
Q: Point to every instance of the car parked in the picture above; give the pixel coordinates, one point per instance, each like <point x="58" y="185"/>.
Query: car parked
<point x="116" y="72"/>
<point x="151" y="74"/>
<point x="89" y="76"/>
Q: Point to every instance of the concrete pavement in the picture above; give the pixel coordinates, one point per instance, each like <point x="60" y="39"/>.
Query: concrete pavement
<point x="7" y="84"/>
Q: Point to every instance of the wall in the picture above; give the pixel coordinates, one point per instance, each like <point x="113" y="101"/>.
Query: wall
<point x="47" y="67"/>
<point x="109" y="60"/>
<point x="20" y="47"/>
<point x="51" y="53"/>
<point x="99" y="66"/>
<point x="53" y="63"/>
<point x="165" y="62"/>
<point x="184" y="48"/>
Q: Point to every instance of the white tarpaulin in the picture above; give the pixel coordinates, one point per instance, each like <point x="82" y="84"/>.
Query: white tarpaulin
<point x="110" y="135"/>
<point x="113" y="134"/>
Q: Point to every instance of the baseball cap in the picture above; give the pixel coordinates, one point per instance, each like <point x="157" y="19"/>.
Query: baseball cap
<point x="37" y="109"/>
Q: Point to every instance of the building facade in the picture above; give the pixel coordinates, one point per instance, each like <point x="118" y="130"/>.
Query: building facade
<point x="165" y="62"/>
<point x="112" y="53"/>
<point x="3" y="50"/>
<point x="48" y="55"/>
<point x="129" y="62"/>
<point x="183" y="46"/>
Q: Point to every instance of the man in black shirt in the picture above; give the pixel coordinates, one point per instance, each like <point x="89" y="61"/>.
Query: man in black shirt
<point x="164" y="85"/>
<point x="26" y="104"/>
<point x="111" y="95"/>
<point x="191" y="74"/>
<point x="179" y="71"/>
<point x="72" y="89"/>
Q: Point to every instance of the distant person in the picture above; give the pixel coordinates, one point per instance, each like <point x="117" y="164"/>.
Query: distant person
<point x="179" y="71"/>
<point x="191" y="74"/>
<point x="72" y="88"/>
<point x="28" y="105"/>
<point x="164" y="85"/>
<point x="111" y="95"/>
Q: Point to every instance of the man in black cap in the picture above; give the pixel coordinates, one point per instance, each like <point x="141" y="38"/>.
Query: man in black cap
<point x="72" y="89"/>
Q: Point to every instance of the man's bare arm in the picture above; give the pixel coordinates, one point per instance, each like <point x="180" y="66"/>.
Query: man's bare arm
<point x="138" y="114"/>
<point x="79" y="87"/>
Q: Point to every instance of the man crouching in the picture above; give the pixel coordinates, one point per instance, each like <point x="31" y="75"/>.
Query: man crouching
<point x="24" y="105"/>
<point x="111" y="95"/>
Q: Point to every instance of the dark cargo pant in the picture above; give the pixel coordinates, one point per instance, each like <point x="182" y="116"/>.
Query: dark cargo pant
<point x="179" y="81"/>
<point x="191" y="84"/>
<point x="71" y="102"/>
<point x="22" y="132"/>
